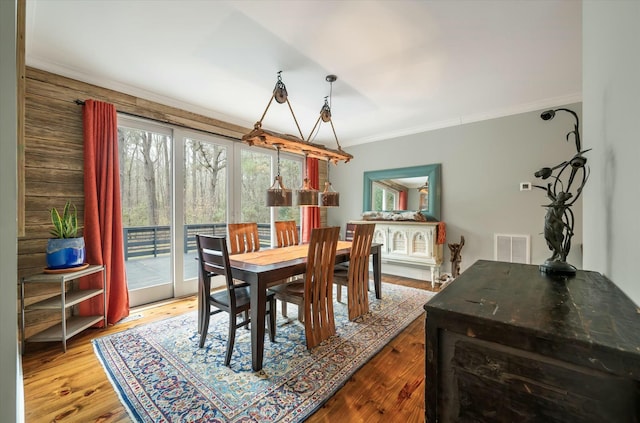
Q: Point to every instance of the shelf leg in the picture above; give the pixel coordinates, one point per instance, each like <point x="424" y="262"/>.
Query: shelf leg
<point x="104" y="295"/>
<point x="63" y="306"/>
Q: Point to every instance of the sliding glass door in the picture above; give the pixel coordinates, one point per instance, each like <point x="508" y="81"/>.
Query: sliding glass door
<point x="176" y="183"/>
<point x="146" y="189"/>
<point x="205" y="196"/>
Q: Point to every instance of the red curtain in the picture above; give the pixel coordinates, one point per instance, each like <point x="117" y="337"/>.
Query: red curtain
<point x="311" y="215"/>
<point x="102" y="210"/>
<point x="402" y="200"/>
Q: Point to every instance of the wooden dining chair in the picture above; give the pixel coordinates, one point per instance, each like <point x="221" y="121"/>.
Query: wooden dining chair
<point x="343" y="268"/>
<point x="243" y="237"/>
<point x="314" y="292"/>
<point x="235" y="299"/>
<point x="287" y="233"/>
<point x="356" y="278"/>
<point x="349" y="231"/>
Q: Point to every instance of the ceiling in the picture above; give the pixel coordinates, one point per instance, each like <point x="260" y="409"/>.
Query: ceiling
<point x="403" y="67"/>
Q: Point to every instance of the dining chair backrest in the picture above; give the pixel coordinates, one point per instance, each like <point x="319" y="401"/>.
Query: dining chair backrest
<point x="287" y="233"/>
<point x="213" y="257"/>
<point x="318" y="285"/>
<point x="348" y="231"/>
<point x="243" y="237"/>
<point x="358" y="274"/>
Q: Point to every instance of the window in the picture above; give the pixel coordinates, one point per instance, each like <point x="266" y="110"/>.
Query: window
<point x="384" y="197"/>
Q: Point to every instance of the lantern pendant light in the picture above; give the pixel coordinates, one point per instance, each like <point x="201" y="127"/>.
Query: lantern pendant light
<point x="307" y="195"/>
<point x="329" y="197"/>
<point x="277" y="194"/>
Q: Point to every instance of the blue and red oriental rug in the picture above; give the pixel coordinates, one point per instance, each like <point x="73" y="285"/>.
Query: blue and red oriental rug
<point x="161" y="375"/>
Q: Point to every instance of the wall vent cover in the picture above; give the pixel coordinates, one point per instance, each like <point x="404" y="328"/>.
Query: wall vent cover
<point x="512" y="248"/>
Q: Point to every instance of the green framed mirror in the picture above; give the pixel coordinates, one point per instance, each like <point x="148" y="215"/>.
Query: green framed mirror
<point x="400" y="189"/>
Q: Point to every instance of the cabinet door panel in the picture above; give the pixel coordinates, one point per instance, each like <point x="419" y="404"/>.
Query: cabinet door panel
<point x="421" y="243"/>
<point x="380" y="237"/>
<point x="487" y="382"/>
<point x="398" y="242"/>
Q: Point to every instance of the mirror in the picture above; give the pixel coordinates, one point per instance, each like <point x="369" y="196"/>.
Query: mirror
<point x="398" y="189"/>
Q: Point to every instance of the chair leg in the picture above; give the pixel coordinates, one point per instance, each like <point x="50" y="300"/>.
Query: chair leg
<point x="284" y="308"/>
<point x="205" y="326"/>
<point x="272" y="320"/>
<point x="231" y="340"/>
<point x="246" y="319"/>
<point x="301" y="313"/>
<point x="339" y="293"/>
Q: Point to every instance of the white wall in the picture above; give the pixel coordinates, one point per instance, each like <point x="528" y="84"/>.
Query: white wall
<point x="11" y="401"/>
<point x="483" y="164"/>
<point x="611" y="94"/>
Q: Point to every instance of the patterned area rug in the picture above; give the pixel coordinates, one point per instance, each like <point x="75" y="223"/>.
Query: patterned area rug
<point x="161" y="375"/>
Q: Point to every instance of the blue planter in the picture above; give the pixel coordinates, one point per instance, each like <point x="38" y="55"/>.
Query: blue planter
<point x="65" y="253"/>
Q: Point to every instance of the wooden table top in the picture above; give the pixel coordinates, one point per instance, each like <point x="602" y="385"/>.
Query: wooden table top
<point x="271" y="256"/>
<point x="587" y="308"/>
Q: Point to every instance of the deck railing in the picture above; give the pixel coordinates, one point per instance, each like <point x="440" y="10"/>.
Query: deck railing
<point x="141" y="241"/>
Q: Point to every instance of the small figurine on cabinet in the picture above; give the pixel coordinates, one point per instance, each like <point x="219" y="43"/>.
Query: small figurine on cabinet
<point x="456" y="257"/>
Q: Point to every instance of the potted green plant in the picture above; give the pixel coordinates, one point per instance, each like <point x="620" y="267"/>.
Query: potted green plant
<point x="66" y="249"/>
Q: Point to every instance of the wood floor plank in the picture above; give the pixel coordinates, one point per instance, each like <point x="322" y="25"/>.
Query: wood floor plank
<point x="72" y="386"/>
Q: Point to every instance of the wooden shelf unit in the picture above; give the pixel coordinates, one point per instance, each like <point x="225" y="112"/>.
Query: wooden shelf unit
<point x="68" y="326"/>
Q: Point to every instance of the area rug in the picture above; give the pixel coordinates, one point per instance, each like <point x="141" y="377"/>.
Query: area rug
<point x="161" y="375"/>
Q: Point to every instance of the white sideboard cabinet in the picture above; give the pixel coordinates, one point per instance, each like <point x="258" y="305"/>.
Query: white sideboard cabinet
<point x="409" y="247"/>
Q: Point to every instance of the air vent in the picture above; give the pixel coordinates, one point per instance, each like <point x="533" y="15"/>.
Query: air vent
<point x="512" y="248"/>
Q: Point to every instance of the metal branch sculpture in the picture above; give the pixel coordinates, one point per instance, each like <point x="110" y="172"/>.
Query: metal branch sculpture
<point x="559" y="219"/>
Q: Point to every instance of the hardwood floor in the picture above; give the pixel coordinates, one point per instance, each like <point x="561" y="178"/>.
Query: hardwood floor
<point x="72" y="386"/>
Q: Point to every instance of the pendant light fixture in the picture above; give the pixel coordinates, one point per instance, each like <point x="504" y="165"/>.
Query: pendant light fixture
<point x="329" y="197"/>
<point x="307" y="195"/>
<point x="278" y="195"/>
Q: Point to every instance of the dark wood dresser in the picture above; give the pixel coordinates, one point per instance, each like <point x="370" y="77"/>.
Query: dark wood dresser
<point x="506" y="343"/>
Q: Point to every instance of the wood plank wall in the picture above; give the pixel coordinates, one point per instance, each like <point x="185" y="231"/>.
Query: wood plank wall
<point x="54" y="162"/>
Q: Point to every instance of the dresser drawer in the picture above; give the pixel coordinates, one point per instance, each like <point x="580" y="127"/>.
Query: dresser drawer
<point x="488" y="382"/>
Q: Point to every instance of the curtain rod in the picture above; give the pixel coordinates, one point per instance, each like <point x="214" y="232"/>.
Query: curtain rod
<point x="81" y="103"/>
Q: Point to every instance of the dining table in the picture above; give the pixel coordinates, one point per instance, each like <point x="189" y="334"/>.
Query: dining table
<point x="267" y="267"/>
